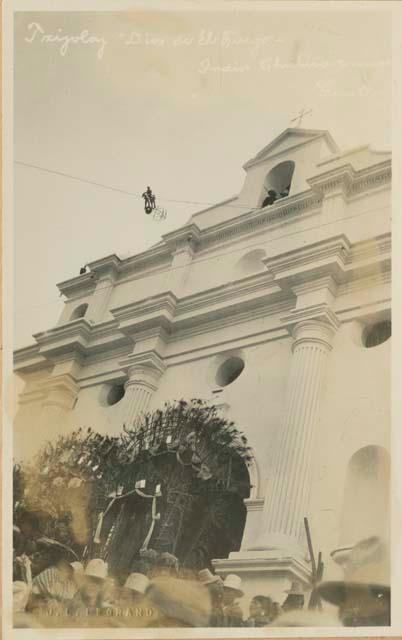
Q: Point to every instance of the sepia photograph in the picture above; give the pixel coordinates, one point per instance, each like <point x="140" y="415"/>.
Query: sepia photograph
<point x="199" y="397"/>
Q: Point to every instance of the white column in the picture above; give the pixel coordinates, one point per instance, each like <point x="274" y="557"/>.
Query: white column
<point x="61" y="393"/>
<point x="141" y="384"/>
<point x="100" y="299"/>
<point x="287" y="495"/>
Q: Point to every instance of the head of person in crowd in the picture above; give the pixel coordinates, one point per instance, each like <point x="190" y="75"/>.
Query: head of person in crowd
<point x="133" y="590"/>
<point x="295" y="597"/>
<point x="232" y="589"/>
<point x="166" y="565"/>
<point x="214" y="584"/>
<point x="233" y="614"/>
<point x="93" y="583"/>
<point x="146" y="562"/>
<point x="64" y="568"/>
<point x="78" y="572"/>
<point x="276" y="610"/>
<point x="110" y="592"/>
<point x="364" y="596"/>
<point x="55" y="584"/>
<point x="261" y="611"/>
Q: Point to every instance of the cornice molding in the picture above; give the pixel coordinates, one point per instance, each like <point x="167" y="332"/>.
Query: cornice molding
<point x="230" y="314"/>
<point x="371" y="178"/>
<point x="285" y="208"/>
<point x="79" y="286"/>
<point x="258" y="284"/>
<point x="367" y="249"/>
<point x="335" y="257"/>
<point x="108" y="266"/>
<point x="113" y="376"/>
<point x="325" y="257"/>
<point x="376" y="279"/>
<point x="373" y="309"/>
<point x="185" y="237"/>
<point x="348" y="181"/>
<point x="64" y="339"/>
<point x="344" y="179"/>
<point x="327" y="264"/>
<point x="60" y="390"/>
<point x="158" y="311"/>
<point x="35" y="395"/>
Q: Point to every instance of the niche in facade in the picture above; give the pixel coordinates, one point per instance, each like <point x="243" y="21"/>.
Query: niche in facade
<point x="79" y="312"/>
<point x="376" y="334"/>
<point x="111" y="394"/>
<point x="277" y="183"/>
<point x="251" y="262"/>
<point x="366" y="500"/>
<point x="229" y="371"/>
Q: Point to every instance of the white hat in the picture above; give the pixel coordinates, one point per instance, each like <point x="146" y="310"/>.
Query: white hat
<point x="367" y="569"/>
<point x="137" y="582"/>
<point x="206" y="577"/>
<point x="96" y="568"/>
<point x="233" y="582"/>
<point x="77" y="566"/>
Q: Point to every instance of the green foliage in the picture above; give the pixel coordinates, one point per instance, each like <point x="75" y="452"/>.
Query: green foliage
<point x="73" y="475"/>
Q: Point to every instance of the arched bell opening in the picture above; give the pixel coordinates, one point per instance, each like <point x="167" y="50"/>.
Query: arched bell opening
<point x="278" y="183"/>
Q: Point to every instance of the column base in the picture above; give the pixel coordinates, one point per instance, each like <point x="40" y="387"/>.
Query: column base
<point x="265" y="573"/>
<point x="279" y="543"/>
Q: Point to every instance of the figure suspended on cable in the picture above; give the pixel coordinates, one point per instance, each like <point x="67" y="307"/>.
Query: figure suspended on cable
<point x="149" y="200"/>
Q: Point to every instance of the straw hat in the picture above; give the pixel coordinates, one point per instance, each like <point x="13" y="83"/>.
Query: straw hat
<point x="233" y="582"/>
<point x="206" y="577"/>
<point x="137" y="582"/>
<point x="367" y="569"/>
<point x="296" y="589"/>
<point x="77" y="567"/>
<point x="96" y="568"/>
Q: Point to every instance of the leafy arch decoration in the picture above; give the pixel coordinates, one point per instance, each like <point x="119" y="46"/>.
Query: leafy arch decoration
<point x="174" y="484"/>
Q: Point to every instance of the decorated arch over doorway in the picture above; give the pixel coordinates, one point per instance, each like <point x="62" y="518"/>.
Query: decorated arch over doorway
<point x="189" y="472"/>
<point x="176" y="484"/>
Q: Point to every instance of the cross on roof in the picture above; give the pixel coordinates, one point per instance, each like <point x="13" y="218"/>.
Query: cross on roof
<point x="300" y="116"/>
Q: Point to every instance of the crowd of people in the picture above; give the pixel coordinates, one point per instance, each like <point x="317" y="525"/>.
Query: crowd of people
<point x="162" y="594"/>
<point x="158" y="592"/>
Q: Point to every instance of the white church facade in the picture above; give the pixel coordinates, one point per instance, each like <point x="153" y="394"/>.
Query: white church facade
<point x="276" y="306"/>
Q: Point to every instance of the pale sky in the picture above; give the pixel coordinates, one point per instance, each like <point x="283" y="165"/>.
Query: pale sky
<point x="178" y="101"/>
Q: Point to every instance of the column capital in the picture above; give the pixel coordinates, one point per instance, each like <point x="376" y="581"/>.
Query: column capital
<point x="321" y="313"/>
<point x="313" y="331"/>
<point x="144" y="369"/>
<point x="60" y="391"/>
